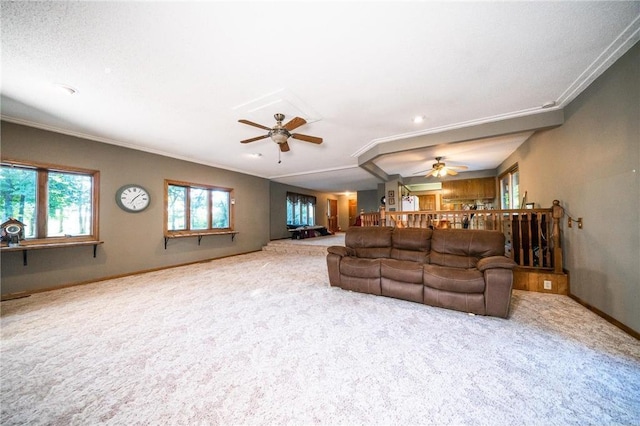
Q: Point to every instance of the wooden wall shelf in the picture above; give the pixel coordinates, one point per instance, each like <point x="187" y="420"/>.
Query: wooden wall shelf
<point x="24" y="247"/>
<point x="199" y="235"/>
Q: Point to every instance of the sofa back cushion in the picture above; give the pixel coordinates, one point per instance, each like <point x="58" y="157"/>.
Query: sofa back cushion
<point x="462" y="248"/>
<point x="370" y="242"/>
<point x="411" y="244"/>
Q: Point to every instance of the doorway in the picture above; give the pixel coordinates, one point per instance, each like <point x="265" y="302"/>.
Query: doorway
<point x="332" y="215"/>
<point x="353" y="205"/>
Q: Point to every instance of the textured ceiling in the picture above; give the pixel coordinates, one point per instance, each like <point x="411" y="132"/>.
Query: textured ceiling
<point x="174" y="77"/>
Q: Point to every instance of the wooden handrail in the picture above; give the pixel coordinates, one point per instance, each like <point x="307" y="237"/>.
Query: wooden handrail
<point x="532" y="236"/>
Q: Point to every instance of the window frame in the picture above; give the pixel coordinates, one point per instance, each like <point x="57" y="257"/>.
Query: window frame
<point x="42" y="201"/>
<point x="509" y="174"/>
<point x="187" y="232"/>
<point x="309" y="200"/>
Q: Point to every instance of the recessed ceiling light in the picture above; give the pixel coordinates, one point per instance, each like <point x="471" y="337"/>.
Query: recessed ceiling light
<point x="418" y="119"/>
<point x="67" y="89"/>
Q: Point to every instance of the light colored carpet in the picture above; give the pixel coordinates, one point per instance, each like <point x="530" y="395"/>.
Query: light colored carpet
<point x="262" y="339"/>
<point x="307" y="246"/>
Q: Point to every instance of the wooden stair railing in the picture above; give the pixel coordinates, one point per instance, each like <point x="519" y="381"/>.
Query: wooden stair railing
<point x="532" y="236"/>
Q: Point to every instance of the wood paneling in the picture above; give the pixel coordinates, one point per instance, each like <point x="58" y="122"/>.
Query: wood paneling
<point x="531" y="280"/>
<point x="469" y="189"/>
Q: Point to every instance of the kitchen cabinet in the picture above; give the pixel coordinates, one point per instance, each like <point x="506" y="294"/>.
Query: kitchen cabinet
<point x="469" y="189"/>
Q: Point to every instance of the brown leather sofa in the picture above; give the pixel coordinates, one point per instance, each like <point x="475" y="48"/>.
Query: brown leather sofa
<point x="459" y="269"/>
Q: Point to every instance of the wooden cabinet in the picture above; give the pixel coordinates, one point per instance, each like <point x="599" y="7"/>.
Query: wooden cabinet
<point x="469" y="189"/>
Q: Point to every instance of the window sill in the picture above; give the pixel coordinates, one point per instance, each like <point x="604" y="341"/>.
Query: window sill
<point x="199" y="235"/>
<point x="26" y="246"/>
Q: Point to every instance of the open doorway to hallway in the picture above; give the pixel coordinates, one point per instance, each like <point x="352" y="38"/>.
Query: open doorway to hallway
<point x="332" y="215"/>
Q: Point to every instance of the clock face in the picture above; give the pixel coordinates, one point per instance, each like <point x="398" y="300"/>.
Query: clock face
<point x="133" y="198"/>
<point x="13" y="229"/>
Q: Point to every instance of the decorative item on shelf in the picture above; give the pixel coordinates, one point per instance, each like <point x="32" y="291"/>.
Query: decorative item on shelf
<point x="12" y="231"/>
<point x="132" y="198"/>
<point x="530" y="205"/>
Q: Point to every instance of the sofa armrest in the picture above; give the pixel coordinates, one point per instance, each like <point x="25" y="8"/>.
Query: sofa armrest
<point x="493" y="262"/>
<point x="341" y="251"/>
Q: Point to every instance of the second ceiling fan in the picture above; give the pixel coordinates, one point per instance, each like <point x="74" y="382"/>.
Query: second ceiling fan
<point x="440" y="169"/>
<point x="280" y="133"/>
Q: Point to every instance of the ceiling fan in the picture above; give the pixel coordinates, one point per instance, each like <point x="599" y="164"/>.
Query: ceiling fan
<point x="440" y="169"/>
<point x="281" y="133"/>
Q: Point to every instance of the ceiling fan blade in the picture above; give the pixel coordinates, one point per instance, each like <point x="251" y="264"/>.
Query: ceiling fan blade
<point x="307" y="138"/>
<point x="458" y="167"/>
<point x="251" y="123"/>
<point x="295" y="123"/>
<point x="451" y="172"/>
<point x="431" y="172"/>
<point x="423" y="172"/>
<point x="284" y="147"/>
<point x="254" y="139"/>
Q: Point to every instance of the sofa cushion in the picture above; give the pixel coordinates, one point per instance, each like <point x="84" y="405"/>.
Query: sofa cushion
<point x="456" y="280"/>
<point x="460" y="248"/>
<point x="362" y="268"/>
<point x="401" y="270"/>
<point x="411" y="244"/>
<point x="369" y="242"/>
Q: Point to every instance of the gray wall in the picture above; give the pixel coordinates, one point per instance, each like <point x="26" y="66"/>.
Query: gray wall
<point x="592" y="165"/>
<point x="278" y="207"/>
<point x="132" y="242"/>
<point x="369" y="201"/>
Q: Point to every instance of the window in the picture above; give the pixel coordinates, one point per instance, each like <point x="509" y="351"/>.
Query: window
<point x="510" y="189"/>
<point x="197" y="209"/>
<point x="52" y="201"/>
<point x="301" y="209"/>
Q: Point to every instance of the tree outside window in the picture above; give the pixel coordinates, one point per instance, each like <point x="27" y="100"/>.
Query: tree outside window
<point x="195" y="208"/>
<point x="69" y="204"/>
<point x="65" y="207"/>
<point x="18" y="188"/>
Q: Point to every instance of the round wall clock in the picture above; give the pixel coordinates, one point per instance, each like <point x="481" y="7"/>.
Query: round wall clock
<point x="132" y="198"/>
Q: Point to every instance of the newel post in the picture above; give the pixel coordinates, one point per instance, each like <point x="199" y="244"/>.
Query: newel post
<point x="382" y="216"/>
<point x="557" y="212"/>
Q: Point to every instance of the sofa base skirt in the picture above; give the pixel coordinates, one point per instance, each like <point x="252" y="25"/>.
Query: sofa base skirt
<point x="465" y="302"/>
